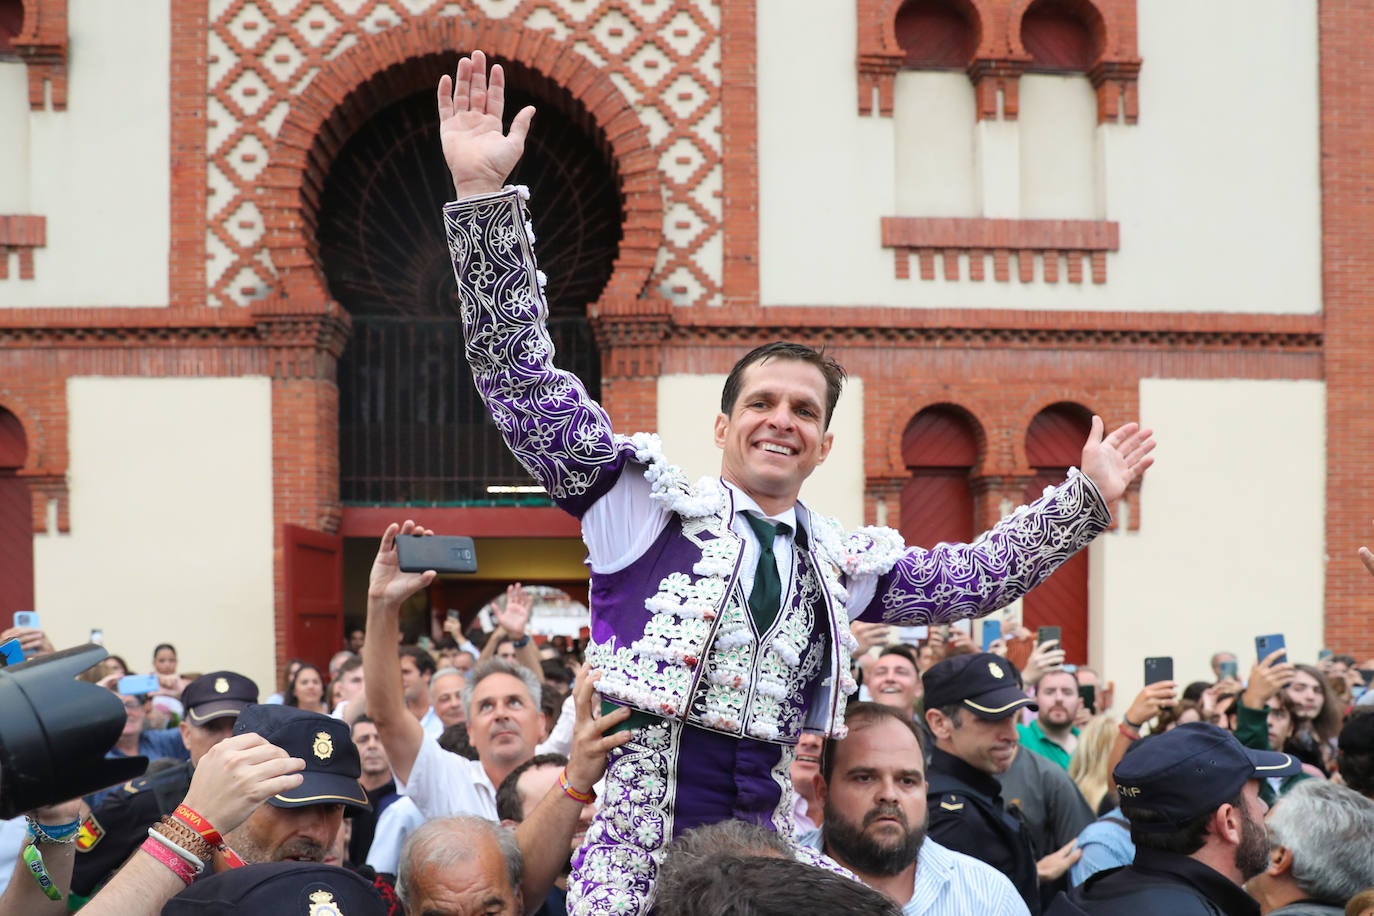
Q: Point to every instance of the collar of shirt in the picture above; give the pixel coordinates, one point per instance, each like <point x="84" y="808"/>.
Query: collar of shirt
<point x="1211" y="883"/>
<point x="942" y="761"/>
<point x="744" y="503"/>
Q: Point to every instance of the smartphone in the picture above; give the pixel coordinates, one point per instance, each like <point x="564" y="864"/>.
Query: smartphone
<point x="1088" y="694"/>
<point x="992" y="631"/>
<point x="27" y="619"/>
<point x="1159" y="669"/>
<point x="912" y="636"/>
<point x="453" y="615"/>
<point x="441" y="553"/>
<point x="1324" y="654"/>
<point x="1271" y="643"/>
<point x="1228" y="669"/>
<point x="1047" y="634"/>
<point x="11" y="653"/>
<point x="98" y="637"/>
<point x="135" y="684"/>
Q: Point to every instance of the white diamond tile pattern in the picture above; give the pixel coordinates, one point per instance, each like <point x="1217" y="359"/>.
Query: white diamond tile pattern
<point x="662" y="55"/>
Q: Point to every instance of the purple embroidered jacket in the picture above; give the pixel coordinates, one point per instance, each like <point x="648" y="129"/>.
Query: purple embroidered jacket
<point x="671" y="633"/>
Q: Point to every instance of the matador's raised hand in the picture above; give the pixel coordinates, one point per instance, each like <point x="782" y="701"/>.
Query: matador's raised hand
<point x="479" y="152"/>
<point x="1113" y="461"/>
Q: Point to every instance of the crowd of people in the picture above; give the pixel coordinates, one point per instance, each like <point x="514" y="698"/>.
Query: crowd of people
<point x="699" y="752"/>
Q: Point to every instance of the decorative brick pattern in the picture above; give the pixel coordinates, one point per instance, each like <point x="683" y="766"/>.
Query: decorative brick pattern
<point x="659" y="113"/>
<point x="1001" y="58"/>
<point x="42" y="44"/>
<point x="21" y="235"/>
<point x="1028" y="239"/>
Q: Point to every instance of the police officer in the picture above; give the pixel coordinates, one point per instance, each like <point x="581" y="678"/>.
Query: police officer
<point x="971" y="705"/>
<point x="116" y="827"/>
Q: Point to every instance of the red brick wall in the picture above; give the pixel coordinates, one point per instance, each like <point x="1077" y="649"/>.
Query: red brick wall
<point x="1348" y="263"/>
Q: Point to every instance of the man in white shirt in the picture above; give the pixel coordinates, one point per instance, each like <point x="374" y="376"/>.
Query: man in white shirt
<point x="872" y="785"/>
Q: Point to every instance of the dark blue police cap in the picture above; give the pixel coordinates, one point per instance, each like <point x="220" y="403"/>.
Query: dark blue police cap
<point x="1190" y="770"/>
<point x="332" y="766"/>
<point x="280" y="889"/>
<point x="984" y="683"/>
<point x="217" y="695"/>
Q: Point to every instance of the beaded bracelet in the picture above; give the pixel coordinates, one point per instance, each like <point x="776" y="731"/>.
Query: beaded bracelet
<point x="576" y="795"/>
<point x="179" y="866"/>
<point x="34" y="860"/>
<point x="185" y="837"/>
<point x="60" y="834"/>
<point x="185" y="819"/>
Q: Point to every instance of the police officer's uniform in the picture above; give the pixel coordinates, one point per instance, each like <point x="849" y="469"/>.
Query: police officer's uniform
<point x="118" y="825"/>
<point x="965" y="810"/>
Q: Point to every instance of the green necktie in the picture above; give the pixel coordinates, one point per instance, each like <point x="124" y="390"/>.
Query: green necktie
<point x="765" y="599"/>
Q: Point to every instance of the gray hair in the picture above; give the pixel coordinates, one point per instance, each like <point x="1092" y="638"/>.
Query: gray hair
<point x="1330" y="831"/>
<point x="446" y="671"/>
<point x="446" y="841"/>
<point x="492" y="666"/>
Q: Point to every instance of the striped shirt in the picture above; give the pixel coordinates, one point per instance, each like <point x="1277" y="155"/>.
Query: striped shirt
<point x="949" y="883"/>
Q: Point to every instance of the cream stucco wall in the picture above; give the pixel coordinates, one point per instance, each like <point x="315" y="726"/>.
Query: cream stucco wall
<point x="1231" y="543"/>
<point x="100" y="171"/>
<point x="171" y="523"/>
<point x="14" y="141"/>
<point x="687" y="409"/>
<point x="1216" y="190"/>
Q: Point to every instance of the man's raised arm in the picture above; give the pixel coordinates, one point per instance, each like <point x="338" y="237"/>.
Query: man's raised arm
<point x="549" y="422"/>
<point x="387" y="590"/>
<point x="956" y="581"/>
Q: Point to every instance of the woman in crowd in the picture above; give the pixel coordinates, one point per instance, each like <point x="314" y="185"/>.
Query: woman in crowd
<point x="1318" y="710"/>
<point x="1088" y="767"/>
<point x="306" y="690"/>
<point x="288" y="673"/>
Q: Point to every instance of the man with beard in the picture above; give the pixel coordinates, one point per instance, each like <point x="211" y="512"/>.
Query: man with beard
<point x="301" y="824"/>
<point x="1197" y="821"/>
<point x="873" y="790"/>
<point x="1052" y="735"/>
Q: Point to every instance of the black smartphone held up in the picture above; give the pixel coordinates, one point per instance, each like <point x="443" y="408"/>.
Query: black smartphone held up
<point x="1264" y="645"/>
<point x="1088" y="694"/>
<point x="1047" y="634"/>
<point x="441" y="553"/>
<point x="1159" y="669"/>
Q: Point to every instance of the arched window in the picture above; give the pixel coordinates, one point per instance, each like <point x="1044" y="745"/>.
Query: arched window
<point x="1058" y="119"/>
<point x="11" y="22"/>
<point x="16" y="521"/>
<point x="940" y="447"/>
<point x="1054" y="443"/>
<point x="1059" y="36"/>
<point x="935" y="35"/>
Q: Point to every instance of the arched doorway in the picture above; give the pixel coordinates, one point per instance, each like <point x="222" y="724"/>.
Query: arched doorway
<point x="16" y="521"/>
<point x="411" y="427"/>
